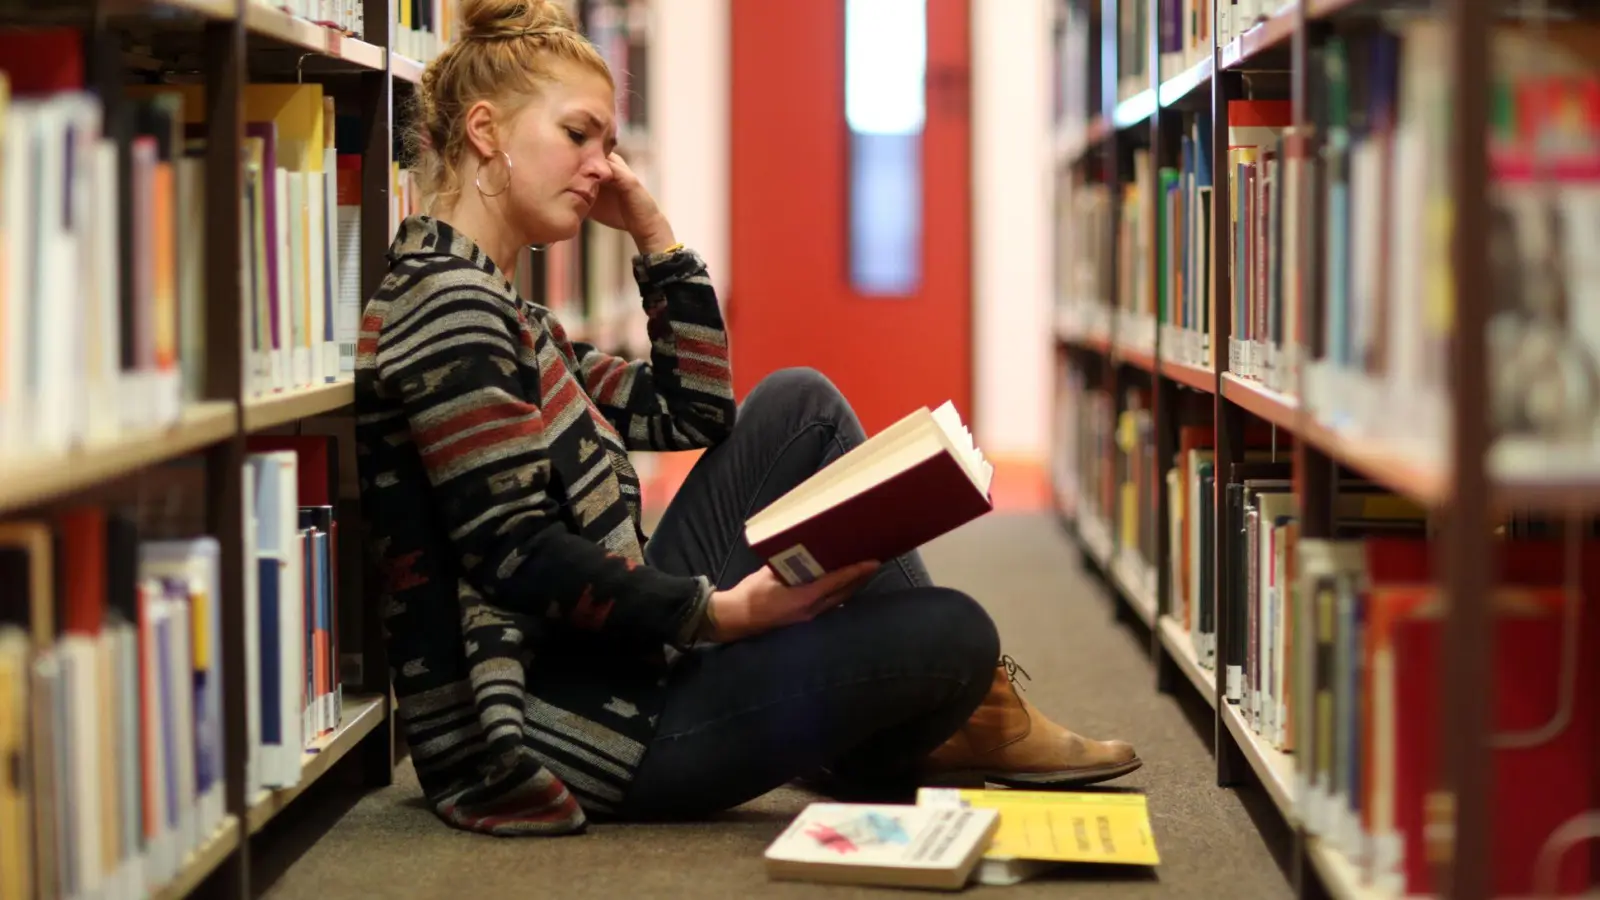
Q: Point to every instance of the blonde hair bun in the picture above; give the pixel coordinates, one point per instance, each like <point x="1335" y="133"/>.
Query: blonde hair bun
<point x="492" y="19"/>
<point x="505" y="52"/>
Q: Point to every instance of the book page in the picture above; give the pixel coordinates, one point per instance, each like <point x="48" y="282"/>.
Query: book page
<point x="966" y="450"/>
<point x="875" y="446"/>
<point x="871" y="471"/>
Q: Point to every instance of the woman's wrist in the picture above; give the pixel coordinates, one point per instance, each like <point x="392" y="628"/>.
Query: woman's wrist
<point x="654" y="237"/>
<point x="709" y="629"/>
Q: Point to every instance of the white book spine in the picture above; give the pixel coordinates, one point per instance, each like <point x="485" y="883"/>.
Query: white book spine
<point x="316" y="273"/>
<point x="252" y="636"/>
<point x="282" y="368"/>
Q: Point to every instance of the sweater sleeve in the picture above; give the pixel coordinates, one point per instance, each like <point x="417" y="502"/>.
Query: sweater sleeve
<point x="451" y="359"/>
<point x="682" y="397"/>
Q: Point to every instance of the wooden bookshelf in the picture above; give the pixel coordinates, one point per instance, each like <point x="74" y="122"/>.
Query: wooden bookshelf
<point x="1262" y="402"/>
<point x="1189" y="375"/>
<point x="1186" y="84"/>
<point x="282" y="408"/>
<point x="243" y="43"/>
<point x="30" y="480"/>
<point x="202" y="862"/>
<point x="1346" y="405"/>
<point x="1272" y="34"/>
<point x="1180" y="647"/>
<point x="331" y="45"/>
<point x="1340" y="876"/>
<point x="361" y="716"/>
<point x="1272" y="767"/>
<point x="1072" y="144"/>
<point x="405" y="69"/>
<point x="1403" y="473"/>
<point x="1135" y="110"/>
<point x="216" y="10"/>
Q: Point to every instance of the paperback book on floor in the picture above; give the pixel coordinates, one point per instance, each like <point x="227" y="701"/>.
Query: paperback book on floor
<point x="1041" y="830"/>
<point x="908" y="484"/>
<point x="883" y="844"/>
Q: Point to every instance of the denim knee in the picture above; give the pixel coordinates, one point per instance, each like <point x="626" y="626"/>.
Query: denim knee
<point x="798" y="395"/>
<point x="960" y="630"/>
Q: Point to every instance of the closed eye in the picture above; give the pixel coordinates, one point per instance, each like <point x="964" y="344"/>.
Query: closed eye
<point x="577" y="137"/>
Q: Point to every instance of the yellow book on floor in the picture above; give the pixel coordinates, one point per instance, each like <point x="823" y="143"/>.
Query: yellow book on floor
<point x="1040" y="830"/>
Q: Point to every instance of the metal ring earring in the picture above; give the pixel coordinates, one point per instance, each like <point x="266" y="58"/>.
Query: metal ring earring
<point x="477" y="180"/>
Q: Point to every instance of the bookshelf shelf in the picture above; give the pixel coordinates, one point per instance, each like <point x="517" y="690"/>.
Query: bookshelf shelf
<point x="1095" y="343"/>
<point x="406" y="69"/>
<point x="33" y="479"/>
<point x="1181" y="647"/>
<point x="215" y="10"/>
<point x="1322" y="9"/>
<point x="280" y="27"/>
<point x="1134" y="587"/>
<point x="1186" y="83"/>
<point x="1279" y="409"/>
<point x="1143" y="360"/>
<point x="361" y="716"/>
<point x="202" y="862"/>
<point x="1271" y="34"/>
<point x="1387" y="465"/>
<point x="1135" y="110"/>
<point x="1274" y="768"/>
<point x="1189" y="376"/>
<point x="1341" y="877"/>
<point x="1071" y="144"/>
<point x="289" y="406"/>
<point x="1096" y="538"/>
<point x="1231" y="206"/>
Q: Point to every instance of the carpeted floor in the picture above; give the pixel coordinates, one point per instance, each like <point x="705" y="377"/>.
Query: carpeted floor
<point x="1086" y="669"/>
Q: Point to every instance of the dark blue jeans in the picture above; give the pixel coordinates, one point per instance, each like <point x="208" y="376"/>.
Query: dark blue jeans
<point x="864" y="690"/>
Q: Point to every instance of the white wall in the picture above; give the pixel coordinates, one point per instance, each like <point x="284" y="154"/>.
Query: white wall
<point x="1011" y="235"/>
<point x="1010" y="179"/>
<point x="689" y="97"/>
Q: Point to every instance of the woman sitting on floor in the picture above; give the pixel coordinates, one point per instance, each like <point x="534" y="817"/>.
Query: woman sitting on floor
<point x="551" y="664"/>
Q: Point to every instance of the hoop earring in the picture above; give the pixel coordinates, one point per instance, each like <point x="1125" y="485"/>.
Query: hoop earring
<point x="477" y="180"/>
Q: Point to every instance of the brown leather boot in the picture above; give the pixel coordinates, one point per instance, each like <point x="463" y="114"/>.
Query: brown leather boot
<point x="1009" y="742"/>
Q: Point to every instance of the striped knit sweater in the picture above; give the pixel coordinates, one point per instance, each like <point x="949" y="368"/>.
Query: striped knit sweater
<point x="528" y="642"/>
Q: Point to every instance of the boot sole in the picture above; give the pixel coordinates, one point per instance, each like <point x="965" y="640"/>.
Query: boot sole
<point x="1025" y="780"/>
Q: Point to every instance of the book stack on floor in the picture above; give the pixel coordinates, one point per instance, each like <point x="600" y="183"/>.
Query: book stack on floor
<point x="1386" y="676"/>
<point x="954" y="837"/>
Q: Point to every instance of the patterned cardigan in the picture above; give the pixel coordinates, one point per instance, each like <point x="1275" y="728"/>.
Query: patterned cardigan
<point x="528" y="642"/>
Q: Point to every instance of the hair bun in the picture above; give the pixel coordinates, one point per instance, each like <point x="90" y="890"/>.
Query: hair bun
<point x="487" y="19"/>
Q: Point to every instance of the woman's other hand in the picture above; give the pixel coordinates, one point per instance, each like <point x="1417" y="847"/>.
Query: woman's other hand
<point x="761" y="602"/>
<point x="626" y="205"/>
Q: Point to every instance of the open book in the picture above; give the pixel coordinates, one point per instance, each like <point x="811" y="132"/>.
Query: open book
<point x="906" y="485"/>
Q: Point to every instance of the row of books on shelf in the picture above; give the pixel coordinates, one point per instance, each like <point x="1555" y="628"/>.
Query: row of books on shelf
<point x="1327" y="648"/>
<point x="345" y="16"/>
<point x="1074" y="98"/>
<point x="104" y="205"/>
<point x="1132" y="44"/>
<point x="423" y="28"/>
<point x="112" y="755"/>
<point x="77" y="199"/>
<point x="1369" y="189"/>
<point x="1235" y="17"/>
<point x="620" y="30"/>
<point x="1185" y="32"/>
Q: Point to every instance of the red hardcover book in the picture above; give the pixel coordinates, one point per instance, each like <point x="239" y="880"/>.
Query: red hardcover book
<point x="910" y="483"/>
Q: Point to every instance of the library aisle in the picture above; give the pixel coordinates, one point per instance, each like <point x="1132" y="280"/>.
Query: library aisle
<point x="1086" y="669"/>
